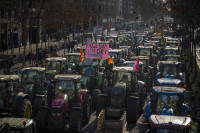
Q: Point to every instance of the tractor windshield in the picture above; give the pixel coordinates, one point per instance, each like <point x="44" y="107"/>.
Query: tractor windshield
<point x="167" y="104"/>
<point x="169" y="131"/>
<point x="121" y="77"/>
<point x="73" y="58"/>
<point x="145" y="52"/>
<point x="89" y="71"/>
<point x="28" y="77"/>
<point x="169" y="70"/>
<point x="170" y="52"/>
<point x="172" y="59"/>
<point x="55" y="65"/>
<point x="64" y="86"/>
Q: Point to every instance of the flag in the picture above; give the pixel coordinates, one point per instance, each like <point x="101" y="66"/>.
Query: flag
<point x="81" y="56"/>
<point x="136" y="66"/>
<point x="110" y="61"/>
<point x="142" y="43"/>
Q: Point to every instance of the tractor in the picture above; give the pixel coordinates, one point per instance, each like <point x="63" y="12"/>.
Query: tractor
<point x="55" y="65"/>
<point x="93" y="77"/>
<point x="126" y="94"/>
<point x="171" y="58"/>
<point x="71" y="106"/>
<point x="116" y="55"/>
<point x="170" y="69"/>
<point x="147" y="51"/>
<point x="16" y="125"/>
<point x="172" y="124"/>
<point x="139" y="38"/>
<point x="167" y="101"/>
<point x="73" y="60"/>
<point x="171" y="51"/>
<point x="34" y="83"/>
<point x="12" y="100"/>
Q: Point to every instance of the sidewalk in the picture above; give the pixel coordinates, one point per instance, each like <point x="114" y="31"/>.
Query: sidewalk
<point x="31" y="47"/>
<point x="18" y="53"/>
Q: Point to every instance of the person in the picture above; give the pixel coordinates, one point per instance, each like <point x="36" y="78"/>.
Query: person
<point x="50" y="92"/>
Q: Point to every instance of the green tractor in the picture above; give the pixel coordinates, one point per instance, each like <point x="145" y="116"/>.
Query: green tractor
<point x="93" y="77"/>
<point x="35" y="84"/>
<point x="73" y="59"/>
<point x="55" y="65"/>
<point x="16" y="125"/>
<point x="126" y="94"/>
<point x="12" y="100"/>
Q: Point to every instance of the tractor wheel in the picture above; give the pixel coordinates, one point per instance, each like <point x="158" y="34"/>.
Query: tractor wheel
<point x="132" y="109"/>
<point x="38" y="101"/>
<point x="102" y="101"/>
<point x="95" y="94"/>
<point x="87" y="109"/>
<point x="42" y="119"/>
<point x="75" y="122"/>
<point x="24" y="109"/>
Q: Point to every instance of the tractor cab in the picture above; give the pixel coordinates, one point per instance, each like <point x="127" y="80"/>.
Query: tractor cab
<point x="171" y="51"/>
<point x="16" y="125"/>
<point x="127" y="50"/>
<point x="167" y="101"/>
<point x="153" y="45"/>
<point x="141" y="67"/>
<point x="116" y="55"/>
<point x="55" y="65"/>
<point x="8" y="88"/>
<point x="111" y="40"/>
<point x="72" y="59"/>
<point x="11" y="98"/>
<point x="139" y="39"/>
<point x="91" y="75"/>
<point x="172" y="44"/>
<point x="147" y="51"/>
<point x="34" y="78"/>
<point x="172" y="124"/>
<point x="170" y="69"/>
<point x="121" y="39"/>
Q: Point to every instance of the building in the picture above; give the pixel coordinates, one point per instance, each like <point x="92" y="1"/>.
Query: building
<point x="128" y="8"/>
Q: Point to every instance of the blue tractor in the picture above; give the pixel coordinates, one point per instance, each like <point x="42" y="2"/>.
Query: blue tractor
<point x="167" y="101"/>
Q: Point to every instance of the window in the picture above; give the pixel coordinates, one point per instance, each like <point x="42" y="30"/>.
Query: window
<point x="9" y="13"/>
<point x="3" y="13"/>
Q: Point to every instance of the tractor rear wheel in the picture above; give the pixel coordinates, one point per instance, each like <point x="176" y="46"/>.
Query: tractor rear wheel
<point x="95" y="94"/>
<point x="87" y="109"/>
<point x="132" y="109"/>
<point x="102" y="101"/>
<point x="42" y="120"/>
<point x="24" y="108"/>
<point x="75" y="122"/>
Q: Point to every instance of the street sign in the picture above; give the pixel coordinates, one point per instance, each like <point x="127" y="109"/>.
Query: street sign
<point x="97" y="51"/>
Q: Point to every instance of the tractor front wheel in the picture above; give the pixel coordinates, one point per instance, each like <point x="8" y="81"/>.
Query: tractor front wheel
<point x="24" y="109"/>
<point x="75" y="122"/>
<point x="102" y="101"/>
<point x="132" y="109"/>
<point x="87" y="109"/>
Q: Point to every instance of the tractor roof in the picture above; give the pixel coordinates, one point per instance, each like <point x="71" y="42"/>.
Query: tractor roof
<point x="169" y="62"/>
<point x="124" y="46"/>
<point x="172" y="55"/>
<point x="56" y="59"/>
<point x="33" y="68"/>
<point x="170" y="122"/>
<point x="140" y="57"/>
<point x="169" y="81"/>
<point x="130" y="62"/>
<point x="151" y="41"/>
<point x="124" y="69"/>
<point x="172" y="42"/>
<point x="115" y="50"/>
<point x="16" y="123"/>
<point x="140" y="35"/>
<point x="145" y="47"/>
<point x="67" y="77"/>
<point x="149" y="44"/>
<point x="168" y="90"/>
<point x="8" y="77"/>
<point x="171" y="48"/>
<point x="73" y="54"/>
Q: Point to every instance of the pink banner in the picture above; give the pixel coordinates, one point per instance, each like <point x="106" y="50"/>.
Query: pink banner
<point x="97" y="51"/>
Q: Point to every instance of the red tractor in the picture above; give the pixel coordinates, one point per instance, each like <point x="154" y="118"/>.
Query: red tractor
<point x="71" y="105"/>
